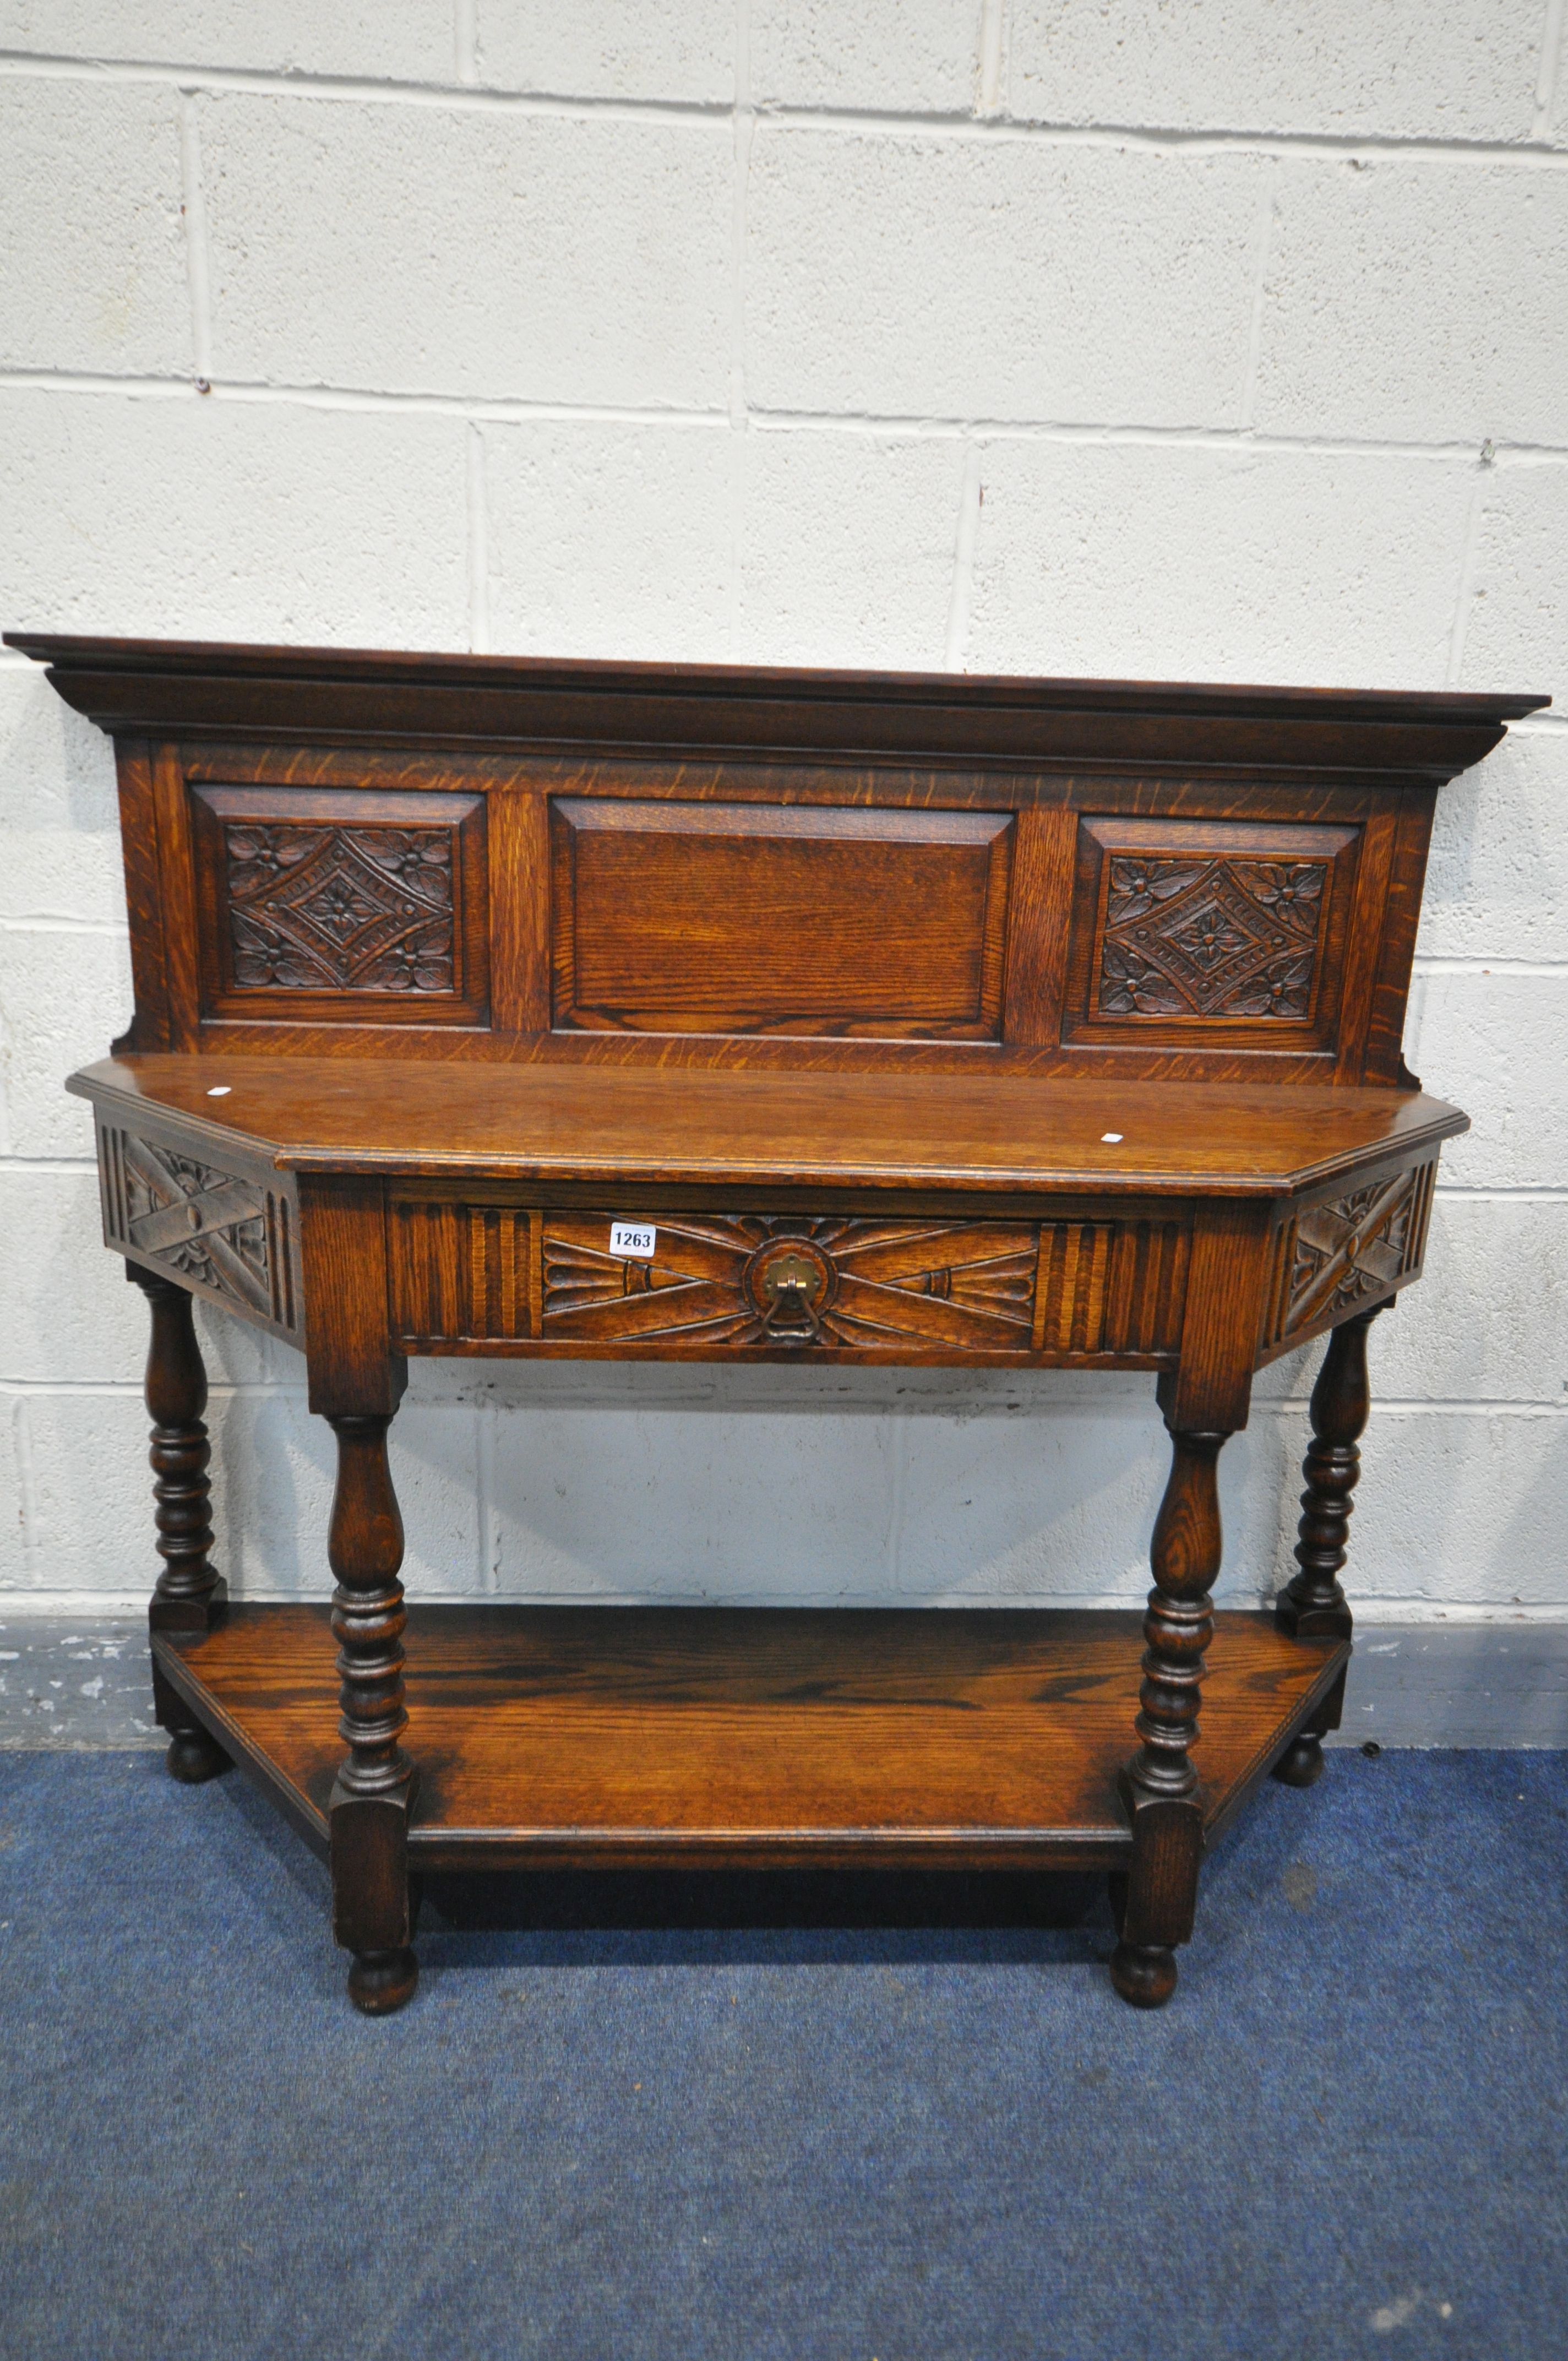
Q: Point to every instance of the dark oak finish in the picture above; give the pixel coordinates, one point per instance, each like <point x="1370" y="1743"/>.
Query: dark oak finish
<point x="554" y="1121"/>
<point x="495" y="1006"/>
<point x="1160" y="1783"/>
<point x="621" y="1737"/>
<point x="368" y="1810"/>
<point x="190" y="1594"/>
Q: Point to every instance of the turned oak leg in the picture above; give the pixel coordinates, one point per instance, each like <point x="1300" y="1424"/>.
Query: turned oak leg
<point x="191" y="1595"/>
<point x="1155" y="1901"/>
<point x="1313" y="1605"/>
<point x="370" y="1801"/>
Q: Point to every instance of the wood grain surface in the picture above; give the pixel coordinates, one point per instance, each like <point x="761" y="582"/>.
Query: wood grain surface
<point x="193" y="687"/>
<point x="553" y="1120"/>
<point x="752" y="1735"/>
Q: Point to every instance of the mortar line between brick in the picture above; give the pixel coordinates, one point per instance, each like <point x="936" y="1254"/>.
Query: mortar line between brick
<point x="956" y="125"/>
<point x="993" y="30"/>
<point x="494" y="410"/>
<point x="22" y="1452"/>
<point x="193" y="213"/>
<point x="49" y="922"/>
<point x="489" y="1523"/>
<point x="1466" y="593"/>
<point x="1551" y="65"/>
<point x="964" y="542"/>
<point x="69" y="1165"/>
<point x="478" y="536"/>
<point x="1481" y="965"/>
<point x="1524" y="1406"/>
<point x="1503" y="1193"/>
<point x="1263" y="236"/>
<point x="465" y="42"/>
<point x="452" y="96"/>
<point x="1161" y="139"/>
<point x="743" y="123"/>
<point x="113" y="1388"/>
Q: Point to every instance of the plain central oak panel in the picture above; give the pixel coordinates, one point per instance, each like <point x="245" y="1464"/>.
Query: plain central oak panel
<point x="701" y="918"/>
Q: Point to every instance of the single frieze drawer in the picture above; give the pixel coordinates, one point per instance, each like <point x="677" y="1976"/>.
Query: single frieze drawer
<point x="713" y="1283"/>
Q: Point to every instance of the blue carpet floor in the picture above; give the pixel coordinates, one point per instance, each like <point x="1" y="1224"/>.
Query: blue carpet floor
<point x="1346" y="2137"/>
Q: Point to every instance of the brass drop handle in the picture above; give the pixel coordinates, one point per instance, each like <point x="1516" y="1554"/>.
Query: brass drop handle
<point x="792" y="1286"/>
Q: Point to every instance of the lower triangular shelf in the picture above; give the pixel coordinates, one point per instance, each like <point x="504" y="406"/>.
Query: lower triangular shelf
<point x="697" y="1737"/>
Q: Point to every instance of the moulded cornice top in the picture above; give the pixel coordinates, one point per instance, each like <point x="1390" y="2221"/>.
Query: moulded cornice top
<point x="189" y="688"/>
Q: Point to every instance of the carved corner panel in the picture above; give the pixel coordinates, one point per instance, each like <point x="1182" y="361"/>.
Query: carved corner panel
<point x="466" y="1276"/>
<point x="1336" y="1257"/>
<point x="341" y="904"/>
<point x="1194" y="931"/>
<point x="228" y="1235"/>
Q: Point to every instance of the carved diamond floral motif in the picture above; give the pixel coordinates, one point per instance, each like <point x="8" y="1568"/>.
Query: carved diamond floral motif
<point x="362" y="910"/>
<point x="1210" y="938"/>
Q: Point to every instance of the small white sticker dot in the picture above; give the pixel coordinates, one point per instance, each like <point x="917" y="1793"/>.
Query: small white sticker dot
<point x="1111" y="1138"/>
<point x="219" y="1091"/>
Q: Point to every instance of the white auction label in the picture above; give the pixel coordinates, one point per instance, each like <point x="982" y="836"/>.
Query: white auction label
<point x="633" y="1241"/>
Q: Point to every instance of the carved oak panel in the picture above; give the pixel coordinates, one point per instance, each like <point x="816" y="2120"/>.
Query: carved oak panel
<point x="345" y="910"/>
<point x="227" y="1235"/>
<point x="341" y="904"/>
<point x="1181" y="926"/>
<point x="1337" y="1256"/>
<point x="1188" y="937"/>
<point x="794" y="1282"/>
<point x="466" y="1276"/>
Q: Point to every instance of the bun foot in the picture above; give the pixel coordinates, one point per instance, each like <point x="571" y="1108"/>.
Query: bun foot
<point x="380" y="1981"/>
<point x="1302" y="1761"/>
<point x="1143" y="1974"/>
<point x="193" y="1758"/>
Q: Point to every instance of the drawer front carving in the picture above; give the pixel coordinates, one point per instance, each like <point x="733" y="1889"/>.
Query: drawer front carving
<point x="230" y="1236"/>
<point x="782" y="919"/>
<point x="340" y="903"/>
<point x="1183" y="926"/>
<point x="468" y="1277"/>
<point x="1340" y="1254"/>
<point x="753" y="1279"/>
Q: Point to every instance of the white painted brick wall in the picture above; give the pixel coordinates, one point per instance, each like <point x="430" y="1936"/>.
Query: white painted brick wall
<point x="1437" y="69"/>
<point x="1200" y="338"/>
<point x="896" y="275"/>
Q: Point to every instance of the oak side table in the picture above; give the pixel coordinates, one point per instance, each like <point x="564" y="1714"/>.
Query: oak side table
<point x="504" y="1007"/>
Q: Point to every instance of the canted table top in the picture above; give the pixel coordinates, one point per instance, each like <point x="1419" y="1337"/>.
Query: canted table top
<point x="561" y="1120"/>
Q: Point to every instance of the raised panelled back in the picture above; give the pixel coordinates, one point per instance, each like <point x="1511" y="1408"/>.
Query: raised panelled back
<point x="483" y="905"/>
<point x="752" y="918"/>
